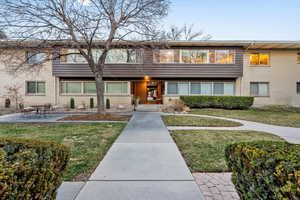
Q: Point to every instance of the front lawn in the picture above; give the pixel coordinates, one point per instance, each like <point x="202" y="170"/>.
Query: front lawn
<point x="89" y="142"/>
<point x="276" y="115"/>
<point x="172" y="120"/>
<point x="203" y="150"/>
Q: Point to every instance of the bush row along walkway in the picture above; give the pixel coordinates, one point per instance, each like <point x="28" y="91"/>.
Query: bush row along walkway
<point x="143" y="163"/>
<point x="288" y="133"/>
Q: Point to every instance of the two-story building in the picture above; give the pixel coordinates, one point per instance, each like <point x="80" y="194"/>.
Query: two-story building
<point x="267" y="70"/>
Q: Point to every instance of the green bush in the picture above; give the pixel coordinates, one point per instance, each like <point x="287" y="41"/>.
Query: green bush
<point x="72" y="103"/>
<point x="107" y="104"/>
<point x="226" y="102"/>
<point x="30" y="169"/>
<point x="92" y="103"/>
<point x="265" y="170"/>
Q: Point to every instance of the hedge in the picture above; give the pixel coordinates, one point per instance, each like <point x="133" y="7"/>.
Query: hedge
<point x="265" y="170"/>
<point x="30" y="169"/>
<point x="226" y="102"/>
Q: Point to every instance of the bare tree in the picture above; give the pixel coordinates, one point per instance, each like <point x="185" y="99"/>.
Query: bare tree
<point x="13" y="93"/>
<point x="84" y="23"/>
<point x="186" y="32"/>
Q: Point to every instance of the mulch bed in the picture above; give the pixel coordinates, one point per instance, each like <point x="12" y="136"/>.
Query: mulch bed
<point x="97" y="117"/>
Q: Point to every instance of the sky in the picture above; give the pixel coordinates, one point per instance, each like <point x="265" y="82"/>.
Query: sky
<point x="239" y="19"/>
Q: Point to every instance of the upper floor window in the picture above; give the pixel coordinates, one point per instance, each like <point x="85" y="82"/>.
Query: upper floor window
<point x="35" y="87"/>
<point x="298" y="57"/>
<point x="199" y="56"/>
<point x="35" y="57"/>
<point x="298" y="87"/>
<point x="259" y="59"/>
<point x="114" y="56"/>
<point x="258" y="89"/>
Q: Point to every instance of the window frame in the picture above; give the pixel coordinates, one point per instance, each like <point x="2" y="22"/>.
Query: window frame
<point x="35" y="53"/>
<point x="36" y="88"/>
<point x="212" y="93"/>
<point x="128" y="88"/>
<point x="297" y="83"/>
<point x="91" y="94"/>
<point x="75" y="52"/>
<point x="156" y="58"/>
<point x="255" y="82"/>
<point x="259" y="65"/>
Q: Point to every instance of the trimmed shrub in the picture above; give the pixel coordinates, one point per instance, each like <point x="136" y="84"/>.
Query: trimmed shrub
<point x="92" y="103"/>
<point x="226" y="102"/>
<point x="72" y="103"/>
<point x="7" y="103"/>
<point x="265" y="170"/>
<point x="30" y="169"/>
<point x="107" y="104"/>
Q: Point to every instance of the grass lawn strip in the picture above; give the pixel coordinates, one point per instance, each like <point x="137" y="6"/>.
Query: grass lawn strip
<point x="97" y="117"/>
<point x="172" y="120"/>
<point x="203" y="150"/>
<point x="275" y="115"/>
<point x="88" y="142"/>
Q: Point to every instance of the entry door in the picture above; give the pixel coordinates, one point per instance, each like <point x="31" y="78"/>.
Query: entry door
<point x="140" y="91"/>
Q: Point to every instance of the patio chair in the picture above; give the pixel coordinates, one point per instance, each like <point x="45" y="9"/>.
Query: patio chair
<point x="46" y="108"/>
<point x="25" y="110"/>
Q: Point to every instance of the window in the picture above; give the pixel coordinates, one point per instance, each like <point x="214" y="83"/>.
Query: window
<point x="194" y="56"/>
<point x="260" y="59"/>
<point x="114" y="56"/>
<point x="181" y="88"/>
<point x="199" y="56"/>
<point x="298" y="87"/>
<point x="71" y="87"/>
<point x="36" y="87"/>
<point x="298" y="57"/>
<point x="224" y="57"/>
<point x="259" y="89"/>
<point x="116" y="88"/>
<point x="75" y="57"/>
<point x="201" y="88"/>
<point x="35" y="58"/>
<point x="89" y="88"/>
<point x="195" y="88"/>
<point x="172" y="88"/>
<point x="218" y="88"/>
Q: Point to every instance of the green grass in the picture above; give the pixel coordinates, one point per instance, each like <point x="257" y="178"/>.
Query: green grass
<point x="275" y="115"/>
<point x="203" y="150"/>
<point x="197" y="121"/>
<point x="88" y="142"/>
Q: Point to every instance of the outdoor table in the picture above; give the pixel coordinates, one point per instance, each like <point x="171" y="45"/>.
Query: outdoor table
<point x="38" y="108"/>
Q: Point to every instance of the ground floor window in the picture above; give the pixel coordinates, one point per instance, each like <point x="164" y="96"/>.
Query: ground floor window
<point x="259" y="89"/>
<point x="298" y="87"/>
<point x="36" y="87"/>
<point x="89" y="87"/>
<point x="116" y="88"/>
<point x="201" y="88"/>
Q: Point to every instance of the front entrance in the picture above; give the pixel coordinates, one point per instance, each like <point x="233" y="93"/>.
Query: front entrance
<point x="148" y="92"/>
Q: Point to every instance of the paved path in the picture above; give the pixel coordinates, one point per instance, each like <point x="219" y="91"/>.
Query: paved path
<point x="143" y="164"/>
<point x="216" y="186"/>
<point x="288" y="133"/>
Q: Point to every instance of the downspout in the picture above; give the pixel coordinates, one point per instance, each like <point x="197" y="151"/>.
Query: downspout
<point x="246" y="49"/>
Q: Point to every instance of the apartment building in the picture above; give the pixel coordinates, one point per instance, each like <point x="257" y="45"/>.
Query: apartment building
<point x="158" y="74"/>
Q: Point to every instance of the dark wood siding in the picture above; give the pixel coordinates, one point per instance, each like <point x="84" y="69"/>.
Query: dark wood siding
<point x="156" y="70"/>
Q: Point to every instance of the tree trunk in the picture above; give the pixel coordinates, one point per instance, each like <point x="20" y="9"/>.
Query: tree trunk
<point x="100" y="92"/>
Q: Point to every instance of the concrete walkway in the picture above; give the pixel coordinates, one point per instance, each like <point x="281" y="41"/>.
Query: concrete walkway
<point x="143" y="164"/>
<point x="290" y="134"/>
